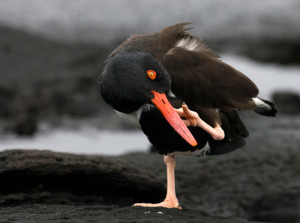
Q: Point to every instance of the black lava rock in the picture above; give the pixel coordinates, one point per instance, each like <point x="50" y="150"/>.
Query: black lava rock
<point x="49" y="177"/>
<point x="287" y="102"/>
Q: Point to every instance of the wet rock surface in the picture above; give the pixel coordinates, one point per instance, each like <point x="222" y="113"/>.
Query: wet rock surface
<point x="259" y="182"/>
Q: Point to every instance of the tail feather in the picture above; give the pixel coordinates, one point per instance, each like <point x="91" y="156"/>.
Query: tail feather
<point x="264" y="107"/>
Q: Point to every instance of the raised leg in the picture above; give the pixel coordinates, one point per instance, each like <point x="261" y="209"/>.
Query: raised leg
<point x="193" y="119"/>
<point x="170" y="201"/>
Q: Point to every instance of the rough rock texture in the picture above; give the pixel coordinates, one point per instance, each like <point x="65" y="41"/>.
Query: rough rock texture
<point x="105" y="214"/>
<point x="55" y="187"/>
<point x="48" y="177"/>
<point x="258" y="182"/>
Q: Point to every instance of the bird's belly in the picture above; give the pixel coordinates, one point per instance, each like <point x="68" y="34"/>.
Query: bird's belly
<point x="165" y="139"/>
<point x="196" y="153"/>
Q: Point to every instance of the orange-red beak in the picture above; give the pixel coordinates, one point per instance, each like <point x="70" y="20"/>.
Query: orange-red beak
<point x="162" y="103"/>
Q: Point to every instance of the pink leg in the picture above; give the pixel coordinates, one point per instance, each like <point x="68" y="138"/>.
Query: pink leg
<point x="170" y="201"/>
<point x="193" y="119"/>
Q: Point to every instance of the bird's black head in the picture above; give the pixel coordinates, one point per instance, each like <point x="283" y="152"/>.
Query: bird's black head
<point x="131" y="79"/>
<point x="128" y="79"/>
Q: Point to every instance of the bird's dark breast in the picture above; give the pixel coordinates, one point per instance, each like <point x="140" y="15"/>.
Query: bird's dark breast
<point x="164" y="138"/>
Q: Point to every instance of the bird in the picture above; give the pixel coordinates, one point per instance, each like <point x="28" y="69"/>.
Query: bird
<point x="181" y="95"/>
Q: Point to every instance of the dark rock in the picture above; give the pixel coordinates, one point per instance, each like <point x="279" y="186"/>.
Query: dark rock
<point x="258" y="182"/>
<point x="109" y="214"/>
<point x="33" y="58"/>
<point x="249" y="184"/>
<point x="276" y="206"/>
<point x="54" y="79"/>
<point x="7" y="94"/>
<point x="25" y="126"/>
<point x="48" y="177"/>
<point x="270" y="50"/>
<point x="287" y="102"/>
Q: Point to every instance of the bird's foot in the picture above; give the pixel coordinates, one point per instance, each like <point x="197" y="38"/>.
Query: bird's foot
<point x="192" y="118"/>
<point x="164" y="204"/>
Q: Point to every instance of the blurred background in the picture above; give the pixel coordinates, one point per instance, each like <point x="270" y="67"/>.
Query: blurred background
<point x="52" y="52"/>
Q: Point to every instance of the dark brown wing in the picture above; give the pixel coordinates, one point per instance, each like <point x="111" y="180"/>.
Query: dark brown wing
<point x="157" y="44"/>
<point x="200" y="78"/>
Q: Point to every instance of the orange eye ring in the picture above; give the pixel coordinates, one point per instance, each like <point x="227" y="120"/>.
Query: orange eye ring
<point x="151" y="74"/>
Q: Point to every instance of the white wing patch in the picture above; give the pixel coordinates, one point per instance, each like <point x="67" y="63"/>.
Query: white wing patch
<point x="260" y="104"/>
<point x="189" y="43"/>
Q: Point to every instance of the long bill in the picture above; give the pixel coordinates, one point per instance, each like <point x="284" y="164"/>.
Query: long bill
<point x="162" y="103"/>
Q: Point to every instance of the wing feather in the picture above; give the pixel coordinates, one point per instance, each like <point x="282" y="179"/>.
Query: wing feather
<point x="199" y="78"/>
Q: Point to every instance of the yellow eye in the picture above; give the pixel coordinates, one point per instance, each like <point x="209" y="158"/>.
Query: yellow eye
<point x="151" y="74"/>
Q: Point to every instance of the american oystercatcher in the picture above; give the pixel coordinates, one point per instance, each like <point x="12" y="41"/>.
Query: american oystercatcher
<point x="182" y="96"/>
